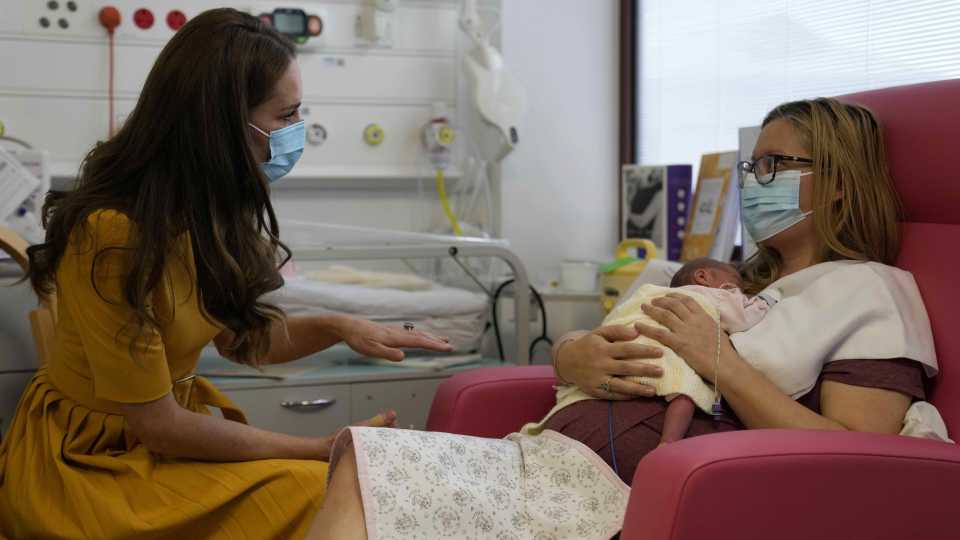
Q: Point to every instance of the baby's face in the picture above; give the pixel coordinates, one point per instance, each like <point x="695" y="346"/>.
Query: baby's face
<point x="718" y="276"/>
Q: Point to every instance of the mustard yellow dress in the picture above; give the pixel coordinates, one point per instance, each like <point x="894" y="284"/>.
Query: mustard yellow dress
<point x="69" y="468"/>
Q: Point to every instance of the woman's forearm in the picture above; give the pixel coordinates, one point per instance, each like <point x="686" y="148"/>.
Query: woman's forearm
<point x="170" y="430"/>
<point x="203" y="437"/>
<point x="303" y="336"/>
<point x="759" y="403"/>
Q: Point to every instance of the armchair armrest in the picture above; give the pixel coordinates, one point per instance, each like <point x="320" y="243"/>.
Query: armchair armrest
<point x="793" y="484"/>
<point x="492" y="402"/>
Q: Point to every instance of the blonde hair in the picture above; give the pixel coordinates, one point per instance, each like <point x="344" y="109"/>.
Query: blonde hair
<point x="846" y="144"/>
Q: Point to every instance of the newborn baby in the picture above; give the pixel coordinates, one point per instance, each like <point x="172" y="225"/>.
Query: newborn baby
<point x="716" y="287"/>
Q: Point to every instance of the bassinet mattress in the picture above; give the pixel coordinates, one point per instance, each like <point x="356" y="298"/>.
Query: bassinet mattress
<point x="457" y="314"/>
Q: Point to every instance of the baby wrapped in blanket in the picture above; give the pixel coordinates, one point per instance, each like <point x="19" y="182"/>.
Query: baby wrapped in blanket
<point x="715" y="286"/>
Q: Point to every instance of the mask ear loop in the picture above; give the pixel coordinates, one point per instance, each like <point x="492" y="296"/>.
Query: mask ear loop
<point x="265" y="134"/>
<point x="262" y="132"/>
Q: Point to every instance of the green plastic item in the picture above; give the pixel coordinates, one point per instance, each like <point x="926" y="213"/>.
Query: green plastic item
<point x="613" y="266"/>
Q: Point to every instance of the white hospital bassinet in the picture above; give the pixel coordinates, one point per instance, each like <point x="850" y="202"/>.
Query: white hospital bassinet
<point x="454" y="305"/>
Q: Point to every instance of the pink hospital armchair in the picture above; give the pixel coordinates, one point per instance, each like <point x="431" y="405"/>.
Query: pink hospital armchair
<point x="794" y="484"/>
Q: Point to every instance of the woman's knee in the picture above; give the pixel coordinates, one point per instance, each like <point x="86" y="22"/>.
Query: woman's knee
<point x="341" y="515"/>
<point x="344" y="484"/>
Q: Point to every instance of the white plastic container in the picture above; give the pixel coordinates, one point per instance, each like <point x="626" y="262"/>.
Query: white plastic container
<point x="578" y="276"/>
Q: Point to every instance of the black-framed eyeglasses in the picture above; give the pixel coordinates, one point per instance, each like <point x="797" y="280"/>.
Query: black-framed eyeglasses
<point x="767" y="165"/>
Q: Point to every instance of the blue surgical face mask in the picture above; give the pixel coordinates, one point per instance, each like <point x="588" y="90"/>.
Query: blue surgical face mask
<point x="286" y="146"/>
<point x="769" y="209"/>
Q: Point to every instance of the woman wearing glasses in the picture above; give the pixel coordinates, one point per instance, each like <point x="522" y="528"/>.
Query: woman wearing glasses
<point x="819" y="200"/>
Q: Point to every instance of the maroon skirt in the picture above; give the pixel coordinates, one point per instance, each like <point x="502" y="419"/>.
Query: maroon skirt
<point x="637" y="424"/>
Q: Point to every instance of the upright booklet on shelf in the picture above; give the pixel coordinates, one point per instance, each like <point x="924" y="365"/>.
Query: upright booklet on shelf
<point x="656" y="199"/>
<point x="715" y="213"/>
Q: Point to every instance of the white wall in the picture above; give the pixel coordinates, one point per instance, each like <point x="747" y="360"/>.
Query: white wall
<point x="559" y="188"/>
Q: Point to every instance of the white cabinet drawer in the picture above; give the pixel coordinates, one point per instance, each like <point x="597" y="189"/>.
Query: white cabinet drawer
<point x="411" y="400"/>
<point x="310" y="411"/>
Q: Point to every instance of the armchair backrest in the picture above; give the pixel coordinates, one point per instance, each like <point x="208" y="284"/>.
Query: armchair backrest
<point x="921" y="126"/>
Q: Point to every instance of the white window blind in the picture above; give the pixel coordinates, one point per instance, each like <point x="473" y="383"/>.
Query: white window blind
<point x="708" y="67"/>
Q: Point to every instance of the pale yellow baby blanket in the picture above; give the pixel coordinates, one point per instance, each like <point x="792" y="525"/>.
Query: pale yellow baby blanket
<point x="678" y="377"/>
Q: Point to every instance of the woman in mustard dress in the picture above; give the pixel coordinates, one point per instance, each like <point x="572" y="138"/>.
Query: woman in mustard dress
<point x="168" y="242"/>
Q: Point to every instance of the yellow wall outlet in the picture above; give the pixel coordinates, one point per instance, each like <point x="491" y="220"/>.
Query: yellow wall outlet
<point x="446" y="135"/>
<point x="373" y="134"/>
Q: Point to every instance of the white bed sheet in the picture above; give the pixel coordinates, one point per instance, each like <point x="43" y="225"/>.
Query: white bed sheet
<point x="457" y="314"/>
<point x="373" y="303"/>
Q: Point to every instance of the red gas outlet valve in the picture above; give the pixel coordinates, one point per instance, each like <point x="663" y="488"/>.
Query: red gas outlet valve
<point x="176" y="19"/>
<point x="109" y="18"/>
<point x="143" y="18"/>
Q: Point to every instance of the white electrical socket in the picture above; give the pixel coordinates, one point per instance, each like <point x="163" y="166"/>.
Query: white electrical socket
<point x="79" y="18"/>
<point x="316" y="134"/>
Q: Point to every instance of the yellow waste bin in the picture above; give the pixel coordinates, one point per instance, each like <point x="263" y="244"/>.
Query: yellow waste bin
<point x="617" y="275"/>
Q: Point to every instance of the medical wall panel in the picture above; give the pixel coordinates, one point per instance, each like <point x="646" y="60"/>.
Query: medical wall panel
<point x="54" y="84"/>
<point x="345" y="153"/>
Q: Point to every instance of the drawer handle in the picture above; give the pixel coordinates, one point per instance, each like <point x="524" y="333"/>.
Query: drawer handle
<point x="308" y="404"/>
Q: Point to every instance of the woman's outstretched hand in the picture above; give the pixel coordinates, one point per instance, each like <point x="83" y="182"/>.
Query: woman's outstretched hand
<point x="381" y="341"/>
<point x="602" y="357"/>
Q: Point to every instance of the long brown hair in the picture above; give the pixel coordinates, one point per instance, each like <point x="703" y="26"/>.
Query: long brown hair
<point x="182" y="163"/>
<point x="846" y="144"/>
